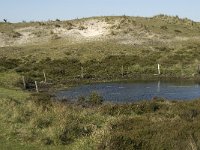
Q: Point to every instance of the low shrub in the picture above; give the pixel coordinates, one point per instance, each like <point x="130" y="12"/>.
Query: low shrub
<point x="81" y="100"/>
<point x="95" y="99"/>
<point x="42" y="99"/>
<point x="164" y="27"/>
<point x="119" y="142"/>
<point x="57" y="26"/>
<point x="189" y="115"/>
<point x="81" y="27"/>
<point x="177" y="31"/>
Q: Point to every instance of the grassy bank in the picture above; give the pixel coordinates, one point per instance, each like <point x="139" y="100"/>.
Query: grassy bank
<point x="112" y="68"/>
<point x="156" y="124"/>
<point x="38" y="122"/>
<point x="32" y="121"/>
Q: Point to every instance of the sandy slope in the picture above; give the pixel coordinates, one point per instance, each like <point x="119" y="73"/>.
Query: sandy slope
<point x="92" y="29"/>
<point x="84" y="30"/>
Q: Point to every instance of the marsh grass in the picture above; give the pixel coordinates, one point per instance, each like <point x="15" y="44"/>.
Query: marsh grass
<point x="94" y="99"/>
<point x="156" y="124"/>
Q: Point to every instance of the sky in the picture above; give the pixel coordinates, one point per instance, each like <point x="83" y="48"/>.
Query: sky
<point x="42" y="10"/>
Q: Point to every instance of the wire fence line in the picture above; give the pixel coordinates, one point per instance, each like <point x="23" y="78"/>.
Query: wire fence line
<point x="125" y="71"/>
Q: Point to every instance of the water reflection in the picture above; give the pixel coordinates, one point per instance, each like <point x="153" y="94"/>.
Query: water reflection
<point x="158" y="88"/>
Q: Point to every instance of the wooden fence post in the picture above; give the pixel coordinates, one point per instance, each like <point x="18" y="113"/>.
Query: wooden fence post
<point x="24" y="82"/>
<point x="36" y="87"/>
<point x="82" y="72"/>
<point x="158" y="69"/>
<point x="198" y="69"/>
<point x="45" y="79"/>
<point x="122" y="71"/>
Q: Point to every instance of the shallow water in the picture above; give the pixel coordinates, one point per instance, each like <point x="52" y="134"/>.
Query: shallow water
<point x="130" y="92"/>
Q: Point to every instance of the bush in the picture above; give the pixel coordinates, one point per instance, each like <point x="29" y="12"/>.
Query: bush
<point x="69" y="27"/>
<point x="113" y="32"/>
<point x="164" y="27"/>
<point x="189" y="115"/>
<point x="120" y="142"/>
<point x="43" y="99"/>
<point x="177" y="31"/>
<point x="57" y="26"/>
<point x="42" y="24"/>
<point x="9" y="63"/>
<point x="55" y="37"/>
<point x="15" y="34"/>
<point x="95" y="99"/>
<point x="2" y="69"/>
<point x="81" y="100"/>
<point x="82" y="28"/>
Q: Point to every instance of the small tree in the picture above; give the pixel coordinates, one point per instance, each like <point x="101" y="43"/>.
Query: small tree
<point x="5" y="20"/>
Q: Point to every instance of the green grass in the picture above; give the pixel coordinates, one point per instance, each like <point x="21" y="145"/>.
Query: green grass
<point x="8" y="145"/>
<point x="8" y="89"/>
<point x="13" y="93"/>
<point x="144" y="125"/>
<point x="9" y="79"/>
<point x="32" y="121"/>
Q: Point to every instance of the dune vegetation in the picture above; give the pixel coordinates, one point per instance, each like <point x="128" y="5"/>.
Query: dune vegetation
<point x="94" y="50"/>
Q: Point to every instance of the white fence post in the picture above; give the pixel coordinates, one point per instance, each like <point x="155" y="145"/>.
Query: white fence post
<point x="24" y="82"/>
<point x="36" y="87"/>
<point x="158" y="69"/>
<point x="45" y="79"/>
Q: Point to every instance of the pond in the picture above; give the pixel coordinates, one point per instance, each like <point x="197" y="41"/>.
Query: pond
<point x="130" y="92"/>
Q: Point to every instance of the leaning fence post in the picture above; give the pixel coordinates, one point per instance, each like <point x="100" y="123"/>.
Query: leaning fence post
<point x="122" y="71"/>
<point x="198" y="69"/>
<point x="158" y="69"/>
<point x="182" y="70"/>
<point x="36" y="87"/>
<point x="45" y="79"/>
<point x="82" y="72"/>
<point x="24" y="82"/>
